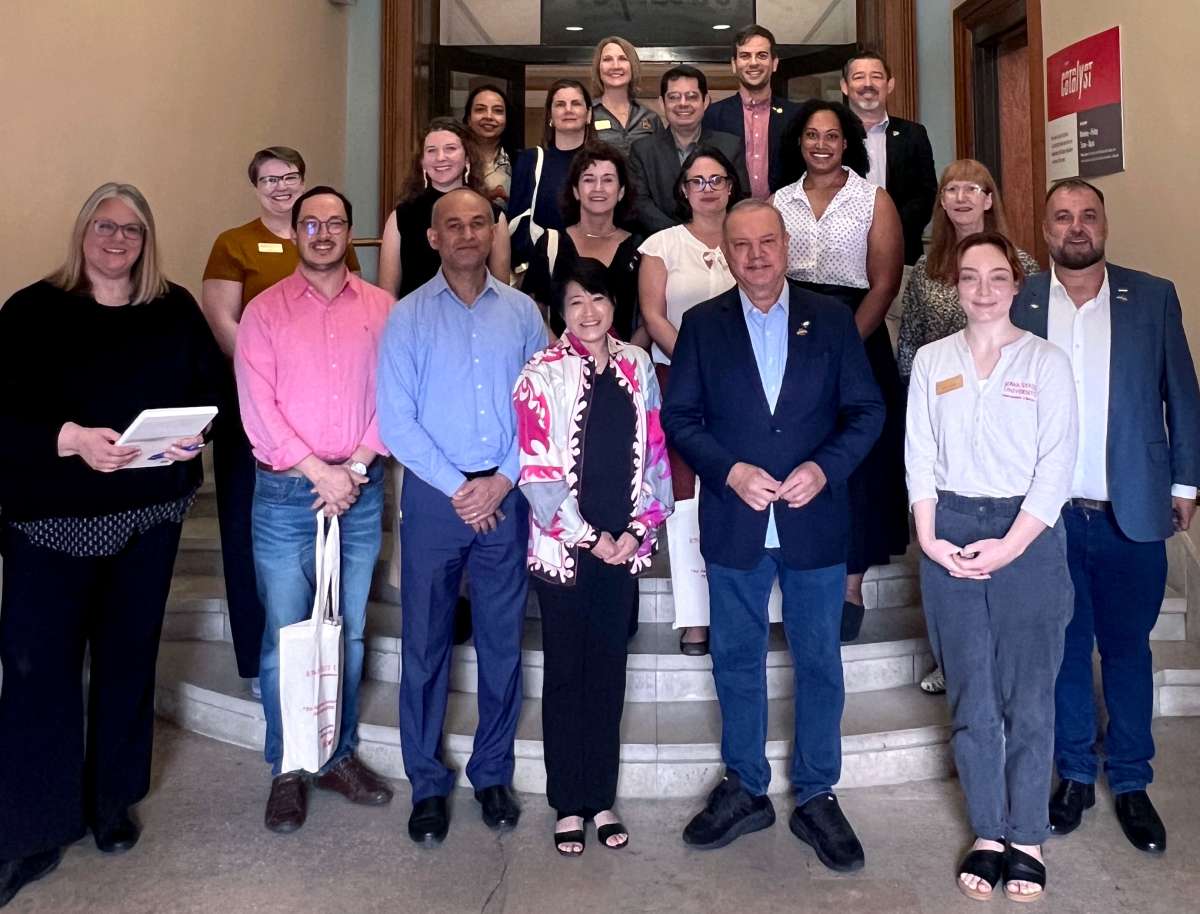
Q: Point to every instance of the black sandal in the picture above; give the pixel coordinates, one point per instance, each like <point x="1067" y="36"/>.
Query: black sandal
<point x="575" y="836"/>
<point x="1022" y="867"/>
<point x="987" y="865"/>
<point x="611" y="830"/>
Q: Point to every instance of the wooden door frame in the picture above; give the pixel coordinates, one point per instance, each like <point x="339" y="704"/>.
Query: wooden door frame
<point x="977" y="17"/>
<point x="408" y="33"/>
<point x="889" y="27"/>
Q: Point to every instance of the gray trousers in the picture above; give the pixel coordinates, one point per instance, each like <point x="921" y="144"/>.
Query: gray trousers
<point x="1000" y="643"/>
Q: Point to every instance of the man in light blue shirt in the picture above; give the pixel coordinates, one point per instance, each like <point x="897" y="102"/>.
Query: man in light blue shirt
<point x="450" y="356"/>
<point x="769" y="339"/>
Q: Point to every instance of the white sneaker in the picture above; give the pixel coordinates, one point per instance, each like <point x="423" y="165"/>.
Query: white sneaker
<point x="935" y="682"/>
<point x="256" y="687"/>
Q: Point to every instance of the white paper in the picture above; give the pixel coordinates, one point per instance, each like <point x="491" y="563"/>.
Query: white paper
<point x="155" y="430"/>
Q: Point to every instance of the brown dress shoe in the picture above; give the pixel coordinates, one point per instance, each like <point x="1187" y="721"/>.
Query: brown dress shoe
<point x="287" y="807"/>
<point x="356" y="782"/>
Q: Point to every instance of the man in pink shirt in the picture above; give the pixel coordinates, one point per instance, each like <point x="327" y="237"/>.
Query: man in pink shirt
<point x="305" y="364"/>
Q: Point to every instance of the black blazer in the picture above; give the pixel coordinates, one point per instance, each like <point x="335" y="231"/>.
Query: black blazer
<point x="654" y="169"/>
<point x="726" y="115"/>
<point x="1153" y="399"/>
<point x="716" y="414"/>
<point x="911" y="180"/>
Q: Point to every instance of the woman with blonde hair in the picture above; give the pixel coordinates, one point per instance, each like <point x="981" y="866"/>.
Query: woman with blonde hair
<point x="89" y="551"/>
<point x="617" y="115"/>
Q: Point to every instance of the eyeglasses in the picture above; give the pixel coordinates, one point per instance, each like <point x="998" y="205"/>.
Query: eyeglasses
<point x="132" y="231"/>
<point x="310" y="227"/>
<point x="699" y="184"/>
<point x="967" y="190"/>
<point x="674" y="98"/>
<point x="270" y="182"/>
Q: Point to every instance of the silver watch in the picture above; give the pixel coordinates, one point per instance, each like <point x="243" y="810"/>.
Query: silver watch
<point x="358" y="467"/>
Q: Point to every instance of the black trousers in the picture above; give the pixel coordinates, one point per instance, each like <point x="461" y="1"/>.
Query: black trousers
<point x="233" y="469"/>
<point x="585" y="629"/>
<point x="54" y="782"/>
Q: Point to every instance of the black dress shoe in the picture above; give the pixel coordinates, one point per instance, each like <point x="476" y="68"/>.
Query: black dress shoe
<point x="287" y="806"/>
<point x="500" y="808"/>
<point x="731" y="811"/>
<point x="118" y="835"/>
<point x="852" y="620"/>
<point x="430" y="821"/>
<point x="16" y="874"/>
<point x="1067" y="804"/>
<point x="693" y="648"/>
<point x="820" y="824"/>
<point x="1140" y="822"/>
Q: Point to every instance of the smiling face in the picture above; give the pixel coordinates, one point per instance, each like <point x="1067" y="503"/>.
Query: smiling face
<point x="444" y="159"/>
<point x="488" y="116"/>
<point x="867" y="86"/>
<point x="683" y="103"/>
<point x="278" y="185"/>
<point x="1075" y="228"/>
<point x="822" y="143"/>
<point x="615" y="67"/>
<point x="320" y="248"/>
<point x="753" y="63"/>
<point x="599" y="189"/>
<point x="112" y="243"/>
<point x="708" y="198"/>
<point x="986" y="284"/>
<point x="588" y="315"/>
<point x="569" y="111"/>
<point x="755" y="246"/>
<point x="462" y="230"/>
<point x="965" y="202"/>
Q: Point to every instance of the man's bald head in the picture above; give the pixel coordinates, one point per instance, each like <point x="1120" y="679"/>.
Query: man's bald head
<point x="462" y="229"/>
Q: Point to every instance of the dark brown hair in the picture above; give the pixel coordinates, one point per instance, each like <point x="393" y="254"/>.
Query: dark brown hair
<point x="995" y="240"/>
<point x="282" y="153"/>
<point x="589" y="132"/>
<point x="415" y="184"/>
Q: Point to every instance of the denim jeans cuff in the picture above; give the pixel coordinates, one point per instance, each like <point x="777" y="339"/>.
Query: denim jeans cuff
<point x="803" y="795"/>
<point x="1079" y="777"/>
<point x="1030" y="838"/>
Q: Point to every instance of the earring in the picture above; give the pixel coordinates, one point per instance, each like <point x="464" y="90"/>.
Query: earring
<point x="426" y="174"/>
<point x="466" y="173"/>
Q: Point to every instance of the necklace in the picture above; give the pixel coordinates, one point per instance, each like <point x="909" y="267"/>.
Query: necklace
<point x="605" y="235"/>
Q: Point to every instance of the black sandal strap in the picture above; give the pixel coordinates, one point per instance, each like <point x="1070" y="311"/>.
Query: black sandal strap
<point x="611" y="830"/>
<point x="1021" y="867"/>
<point x="575" y="836"/>
<point x="987" y="865"/>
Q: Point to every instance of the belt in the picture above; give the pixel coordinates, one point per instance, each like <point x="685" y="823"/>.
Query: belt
<point x="1090" y="504"/>
<point x="479" y="474"/>
<point x="267" y="468"/>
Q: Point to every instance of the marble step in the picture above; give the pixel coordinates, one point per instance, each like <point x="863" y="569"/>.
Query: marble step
<point x="669" y="749"/>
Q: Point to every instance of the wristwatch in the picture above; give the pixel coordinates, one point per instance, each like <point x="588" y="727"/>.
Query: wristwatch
<point x="357" y="466"/>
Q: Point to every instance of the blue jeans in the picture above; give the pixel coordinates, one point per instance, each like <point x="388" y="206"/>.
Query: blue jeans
<point x="284" y="533"/>
<point x="1118" y="592"/>
<point x="738" y="629"/>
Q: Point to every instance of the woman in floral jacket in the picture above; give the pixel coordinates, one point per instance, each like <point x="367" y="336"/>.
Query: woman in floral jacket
<point x="595" y="472"/>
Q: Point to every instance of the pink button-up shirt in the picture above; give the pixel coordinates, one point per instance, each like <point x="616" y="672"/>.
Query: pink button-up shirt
<point x="756" y="121"/>
<point x="306" y="370"/>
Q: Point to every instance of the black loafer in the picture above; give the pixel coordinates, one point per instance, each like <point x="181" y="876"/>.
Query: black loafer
<point x="1140" y="822"/>
<point x="820" y="824"/>
<point x="500" y="808"/>
<point x="1067" y="804"/>
<point x="430" y="821"/>
<point x="731" y="811"/>
<point x="118" y="835"/>
<point x="852" y="620"/>
<point x="16" y="874"/>
<point x="693" y="648"/>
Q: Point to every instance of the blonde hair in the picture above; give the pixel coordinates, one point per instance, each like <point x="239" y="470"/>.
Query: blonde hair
<point x="942" y="261"/>
<point x="147" y="279"/>
<point x="635" y="66"/>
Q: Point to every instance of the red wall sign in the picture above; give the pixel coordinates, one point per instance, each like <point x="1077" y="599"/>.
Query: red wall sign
<point x="1084" y="129"/>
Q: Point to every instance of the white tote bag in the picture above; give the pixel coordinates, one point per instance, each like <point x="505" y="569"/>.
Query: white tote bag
<point x="310" y="665"/>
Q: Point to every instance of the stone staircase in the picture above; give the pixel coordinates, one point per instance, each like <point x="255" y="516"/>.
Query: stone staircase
<point x="891" y="731"/>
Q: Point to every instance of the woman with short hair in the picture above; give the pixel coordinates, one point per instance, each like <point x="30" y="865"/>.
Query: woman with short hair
<point x="89" y="544"/>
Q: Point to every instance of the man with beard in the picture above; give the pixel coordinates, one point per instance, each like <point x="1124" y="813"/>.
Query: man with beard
<point x="1135" y="481"/>
<point x="901" y="156"/>
<point x="761" y="120"/>
<point x="305" y="365"/>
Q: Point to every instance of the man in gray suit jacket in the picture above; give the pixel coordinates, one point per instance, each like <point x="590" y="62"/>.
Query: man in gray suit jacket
<point x="654" y="160"/>
<point x="1136" y="474"/>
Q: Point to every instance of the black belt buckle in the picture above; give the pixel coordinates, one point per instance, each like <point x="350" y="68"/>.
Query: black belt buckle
<point x="1090" y="504"/>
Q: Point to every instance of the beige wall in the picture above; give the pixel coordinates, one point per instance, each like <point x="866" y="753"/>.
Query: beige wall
<point x="171" y="95"/>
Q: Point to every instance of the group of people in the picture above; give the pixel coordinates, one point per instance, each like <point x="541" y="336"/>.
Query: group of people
<point x="700" y="315"/>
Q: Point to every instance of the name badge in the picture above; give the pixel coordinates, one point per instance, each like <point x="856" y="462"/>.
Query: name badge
<point x="948" y="384"/>
<point x="270" y="247"/>
<point x="603" y="125"/>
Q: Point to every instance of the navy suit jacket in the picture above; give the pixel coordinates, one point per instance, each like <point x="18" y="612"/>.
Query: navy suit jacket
<point x="1150" y="367"/>
<point x="716" y="414"/>
<point x="726" y="115"/>
<point x="911" y="181"/>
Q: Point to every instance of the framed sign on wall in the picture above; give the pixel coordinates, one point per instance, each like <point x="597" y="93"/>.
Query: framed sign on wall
<point x="1085" y="135"/>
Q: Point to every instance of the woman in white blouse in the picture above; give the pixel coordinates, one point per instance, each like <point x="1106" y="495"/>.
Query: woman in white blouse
<point x="990" y="454"/>
<point x="681" y="267"/>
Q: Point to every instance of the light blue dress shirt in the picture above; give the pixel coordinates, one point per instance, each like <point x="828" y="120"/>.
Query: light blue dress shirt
<point x="769" y="340"/>
<point x="446" y="374"/>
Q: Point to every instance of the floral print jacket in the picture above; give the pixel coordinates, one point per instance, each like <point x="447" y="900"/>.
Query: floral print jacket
<point x="552" y="399"/>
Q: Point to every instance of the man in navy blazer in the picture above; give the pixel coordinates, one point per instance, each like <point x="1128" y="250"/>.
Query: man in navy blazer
<point x="1135" y="484"/>
<point x="773" y="403"/>
<point x="770" y="118"/>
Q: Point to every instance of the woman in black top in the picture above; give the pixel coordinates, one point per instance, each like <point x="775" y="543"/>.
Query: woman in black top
<point x="88" y="547"/>
<point x="595" y="199"/>
<point x="446" y="160"/>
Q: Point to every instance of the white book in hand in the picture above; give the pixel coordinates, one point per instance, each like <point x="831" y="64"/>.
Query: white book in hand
<point x="155" y="430"/>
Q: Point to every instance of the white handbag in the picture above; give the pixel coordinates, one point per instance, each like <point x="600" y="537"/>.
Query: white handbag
<point x="310" y="664"/>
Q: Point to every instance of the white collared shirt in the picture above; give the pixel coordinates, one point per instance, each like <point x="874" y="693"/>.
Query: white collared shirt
<point x="1084" y="333"/>
<point x="877" y="150"/>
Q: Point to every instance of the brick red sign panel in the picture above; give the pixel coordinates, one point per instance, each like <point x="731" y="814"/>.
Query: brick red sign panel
<point x="1084" y="75"/>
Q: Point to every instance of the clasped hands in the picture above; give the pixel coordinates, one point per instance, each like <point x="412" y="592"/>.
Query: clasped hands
<point x="336" y="487"/>
<point x="758" y="488"/>
<point x="477" y="501"/>
<point x="975" y="561"/>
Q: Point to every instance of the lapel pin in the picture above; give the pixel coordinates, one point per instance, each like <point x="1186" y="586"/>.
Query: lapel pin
<point x="895" y="133"/>
<point x="1034" y="305"/>
<point x="803" y="331"/>
<point x="777" y="110"/>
